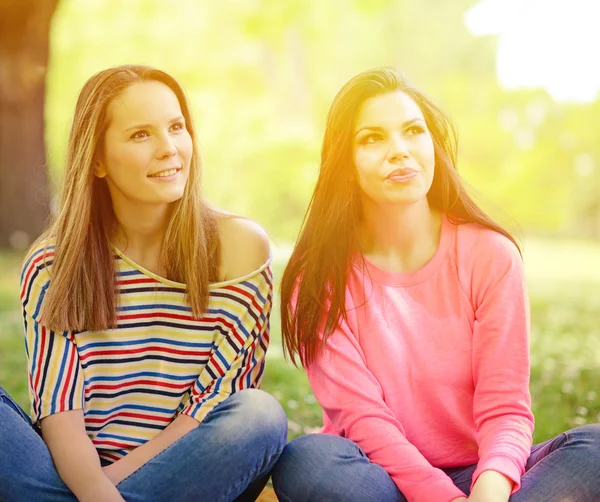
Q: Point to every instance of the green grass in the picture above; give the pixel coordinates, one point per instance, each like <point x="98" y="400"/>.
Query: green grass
<point x="564" y="284"/>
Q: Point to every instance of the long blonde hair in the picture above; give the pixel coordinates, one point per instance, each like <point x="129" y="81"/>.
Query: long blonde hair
<point x="82" y="294"/>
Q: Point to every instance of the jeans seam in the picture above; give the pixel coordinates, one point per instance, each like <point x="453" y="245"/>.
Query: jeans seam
<point x="282" y="497"/>
<point x="13" y="405"/>
<point x="249" y="477"/>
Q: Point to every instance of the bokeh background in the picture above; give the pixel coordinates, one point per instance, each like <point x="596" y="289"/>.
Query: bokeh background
<point x="519" y="78"/>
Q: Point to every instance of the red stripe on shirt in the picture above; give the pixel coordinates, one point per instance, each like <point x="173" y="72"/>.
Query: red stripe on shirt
<point x="133" y="383"/>
<point x="155" y="348"/>
<point x="68" y="379"/>
<point x="128" y="414"/>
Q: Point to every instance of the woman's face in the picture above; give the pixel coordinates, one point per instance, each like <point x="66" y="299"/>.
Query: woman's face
<point x="147" y="148"/>
<point x="393" y="150"/>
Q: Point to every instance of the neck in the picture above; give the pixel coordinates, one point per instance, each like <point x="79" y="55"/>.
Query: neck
<point x="140" y="231"/>
<point x="400" y="238"/>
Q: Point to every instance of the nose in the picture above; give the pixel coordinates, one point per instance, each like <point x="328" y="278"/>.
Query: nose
<point x="165" y="148"/>
<point x="398" y="148"/>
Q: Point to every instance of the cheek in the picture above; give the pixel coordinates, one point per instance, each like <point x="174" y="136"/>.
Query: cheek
<point x="425" y="152"/>
<point x="367" y="160"/>
<point x="185" y="147"/>
<point x="128" y="163"/>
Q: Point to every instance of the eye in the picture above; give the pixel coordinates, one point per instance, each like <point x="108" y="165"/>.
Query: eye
<point x="370" y="139"/>
<point x="140" y="134"/>
<point x="415" y="129"/>
<point x="178" y="126"/>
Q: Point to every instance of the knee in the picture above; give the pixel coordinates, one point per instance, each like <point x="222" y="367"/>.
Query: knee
<point x="588" y="434"/>
<point x="308" y="457"/>
<point x="313" y="450"/>
<point x="316" y="445"/>
<point x="259" y="414"/>
<point x="9" y="406"/>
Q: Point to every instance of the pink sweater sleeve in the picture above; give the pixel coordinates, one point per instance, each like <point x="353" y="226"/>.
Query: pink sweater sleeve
<point x="353" y="401"/>
<point x="503" y="419"/>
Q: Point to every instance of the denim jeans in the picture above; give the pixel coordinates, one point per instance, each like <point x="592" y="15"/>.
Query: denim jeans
<point x="326" y="468"/>
<point x="228" y="457"/>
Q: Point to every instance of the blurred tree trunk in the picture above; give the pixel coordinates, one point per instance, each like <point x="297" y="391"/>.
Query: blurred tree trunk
<point x="24" y="186"/>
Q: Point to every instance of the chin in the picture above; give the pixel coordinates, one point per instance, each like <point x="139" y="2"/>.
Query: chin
<point x="173" y="195"/>
<point x="407" y="198"/>
<point x="175" y="198"/>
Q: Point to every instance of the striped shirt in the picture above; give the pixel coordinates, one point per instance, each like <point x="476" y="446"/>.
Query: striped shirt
<point x="157" y="363"/>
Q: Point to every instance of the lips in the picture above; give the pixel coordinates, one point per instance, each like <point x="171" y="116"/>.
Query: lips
<point x="399" y="173"/>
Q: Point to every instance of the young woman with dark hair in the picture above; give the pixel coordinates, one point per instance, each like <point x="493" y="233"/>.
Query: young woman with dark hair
<point x="407" y="305"/>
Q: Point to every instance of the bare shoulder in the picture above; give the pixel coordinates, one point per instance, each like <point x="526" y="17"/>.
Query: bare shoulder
<point x="244" y="246"/>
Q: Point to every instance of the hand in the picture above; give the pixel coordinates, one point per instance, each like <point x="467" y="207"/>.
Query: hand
<point x="460" y="499"/>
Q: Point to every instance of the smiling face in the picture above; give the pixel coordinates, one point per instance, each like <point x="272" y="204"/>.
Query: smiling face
<point x="147" y="148"/>
<point x="393" y="150"/>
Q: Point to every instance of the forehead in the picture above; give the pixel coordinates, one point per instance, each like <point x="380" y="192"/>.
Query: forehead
<point x="387" y="109"/>
<point x="146" y="102"/>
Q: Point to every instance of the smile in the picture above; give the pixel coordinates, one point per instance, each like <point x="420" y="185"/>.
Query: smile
<point x="165" y="174"/>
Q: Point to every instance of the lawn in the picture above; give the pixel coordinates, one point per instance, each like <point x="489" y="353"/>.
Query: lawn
<point x="564" y="285"/>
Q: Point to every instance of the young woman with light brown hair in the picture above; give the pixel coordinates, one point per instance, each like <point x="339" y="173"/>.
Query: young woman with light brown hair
<point x="407" y="305"/>
<point x="146" y="317"/>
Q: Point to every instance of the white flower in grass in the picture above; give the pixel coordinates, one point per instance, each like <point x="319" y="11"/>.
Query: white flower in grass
<point x="311" y="430"/>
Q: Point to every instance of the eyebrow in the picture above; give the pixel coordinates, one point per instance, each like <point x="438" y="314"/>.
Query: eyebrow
<point x="379" y="129"/>
<point x="148" y="126"/>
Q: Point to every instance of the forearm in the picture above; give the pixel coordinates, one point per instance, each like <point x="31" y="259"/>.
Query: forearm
<point x="78" y="464"/>
<point x="126" y="466"/>
<point x="491" y="486"/>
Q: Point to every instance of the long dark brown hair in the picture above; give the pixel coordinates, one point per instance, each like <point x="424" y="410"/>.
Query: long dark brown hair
<point x="314" y="282"/>
<point x="82" y="292"/>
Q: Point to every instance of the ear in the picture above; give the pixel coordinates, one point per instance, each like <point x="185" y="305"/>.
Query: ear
<point x="99" y="170"/>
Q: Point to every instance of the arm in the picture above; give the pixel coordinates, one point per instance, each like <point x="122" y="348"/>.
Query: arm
<point x="76" y="459"/>
<point x="237" y="363"/>
<point x="56" y="392"/>
<point x="353" y="400"/>
<point x="119" y="470"/>
<point x="501" y="407"/>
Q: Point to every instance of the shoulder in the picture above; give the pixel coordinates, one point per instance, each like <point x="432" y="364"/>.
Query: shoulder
<point x="35" y="273"/>
<point x="245" y="245"/>
<point x="480" y="245"/>
<point x="486" y="258"/>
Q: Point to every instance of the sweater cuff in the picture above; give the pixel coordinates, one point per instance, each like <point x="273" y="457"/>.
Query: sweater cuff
<point x="504" y="465"/>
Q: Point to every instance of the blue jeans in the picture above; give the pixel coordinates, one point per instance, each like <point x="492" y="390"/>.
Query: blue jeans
<point x="326" y="468"/>
<point x="228" y="457"/>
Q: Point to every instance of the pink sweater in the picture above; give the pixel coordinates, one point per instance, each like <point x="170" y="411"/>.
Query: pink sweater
<point x="431" y="369"/>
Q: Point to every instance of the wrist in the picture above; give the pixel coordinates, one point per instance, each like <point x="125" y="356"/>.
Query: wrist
<point x="113" y="473"/>
<point x="492" y="486"/>
<point x="102" y="490"/>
